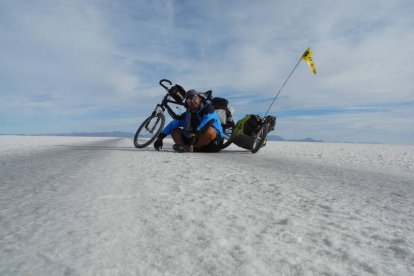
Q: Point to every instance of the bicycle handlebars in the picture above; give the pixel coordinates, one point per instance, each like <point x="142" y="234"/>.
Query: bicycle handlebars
<point x="165" y="80"/>
<point x="208" y="95"/>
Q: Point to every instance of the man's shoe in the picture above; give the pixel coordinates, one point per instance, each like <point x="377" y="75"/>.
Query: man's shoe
<point x="181" y="148"/>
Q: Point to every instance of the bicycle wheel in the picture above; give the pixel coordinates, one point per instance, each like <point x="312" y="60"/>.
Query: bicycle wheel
<point x="227" y="135"/>
<point x="148" y="131"/>
<point x="260" y="138"/>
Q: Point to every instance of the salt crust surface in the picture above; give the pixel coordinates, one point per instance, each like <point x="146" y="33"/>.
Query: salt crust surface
<point x="87" y="206"/>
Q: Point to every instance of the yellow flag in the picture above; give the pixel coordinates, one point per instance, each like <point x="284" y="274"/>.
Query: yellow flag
<point x="307" y="56"/>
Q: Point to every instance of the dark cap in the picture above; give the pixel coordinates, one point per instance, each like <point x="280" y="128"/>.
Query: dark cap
<point x="190" y="94"/>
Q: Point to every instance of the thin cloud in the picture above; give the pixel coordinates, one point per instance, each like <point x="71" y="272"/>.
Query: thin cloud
<point x="96" y="58"/>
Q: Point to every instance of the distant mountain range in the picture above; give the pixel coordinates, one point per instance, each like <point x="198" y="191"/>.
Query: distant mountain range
<point x="131" y="134"/>
<point x="278" y="138"/>
<point x="84" y="134"/>
<point x="98" y="134"/>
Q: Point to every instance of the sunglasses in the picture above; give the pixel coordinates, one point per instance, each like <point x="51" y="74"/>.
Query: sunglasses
<point x="191" y="100"/>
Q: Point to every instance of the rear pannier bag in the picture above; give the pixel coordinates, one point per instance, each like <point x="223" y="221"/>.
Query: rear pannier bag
<point x="223" y="111"/>
<point x="272" y="123"/>
<point x="220" y="103"/>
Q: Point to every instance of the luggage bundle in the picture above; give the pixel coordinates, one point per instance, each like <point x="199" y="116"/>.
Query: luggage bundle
<point x="221" y="106"/>
<point x="250" y="132"/>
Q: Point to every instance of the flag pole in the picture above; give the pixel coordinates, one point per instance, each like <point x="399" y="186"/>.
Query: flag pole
<point x="283" y="85"/>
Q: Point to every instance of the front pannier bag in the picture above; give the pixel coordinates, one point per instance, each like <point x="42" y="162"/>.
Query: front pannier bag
<point x="177" y="92"/>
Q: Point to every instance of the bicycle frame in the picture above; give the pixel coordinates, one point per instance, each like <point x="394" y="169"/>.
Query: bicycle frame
<point x="160" y="108"/>
<point x="170" y="111"/>
<point x="165" y="101"/>
<point x="155" y="122"/>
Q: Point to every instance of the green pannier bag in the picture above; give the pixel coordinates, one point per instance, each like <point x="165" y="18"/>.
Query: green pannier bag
<point x="244" y="133"/>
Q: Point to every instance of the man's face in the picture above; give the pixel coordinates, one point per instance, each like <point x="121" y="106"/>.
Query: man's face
<point x="194" y="102"/>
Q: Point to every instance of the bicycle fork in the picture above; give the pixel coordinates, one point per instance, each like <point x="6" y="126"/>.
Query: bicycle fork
<point x="155" y="113"/>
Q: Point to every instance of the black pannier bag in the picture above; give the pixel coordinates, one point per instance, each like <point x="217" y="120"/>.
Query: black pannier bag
<point x="221" y="106"/>
<point x="177" y="92"/>
<point x="220" y="103"/>
<point x="252" y="125"/>
<point x="272" y="123"/>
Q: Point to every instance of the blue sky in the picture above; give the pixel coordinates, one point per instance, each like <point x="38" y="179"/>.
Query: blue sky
<point x="95" y="65"/>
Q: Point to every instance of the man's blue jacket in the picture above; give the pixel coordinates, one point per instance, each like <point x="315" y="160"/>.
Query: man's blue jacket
<point x="207" y="115"/>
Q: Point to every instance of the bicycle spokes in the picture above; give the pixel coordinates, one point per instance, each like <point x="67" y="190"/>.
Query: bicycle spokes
<point x="151" y="129"/>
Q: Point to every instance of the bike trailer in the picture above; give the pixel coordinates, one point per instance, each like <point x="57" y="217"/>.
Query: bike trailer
<point x="250" y="132"/>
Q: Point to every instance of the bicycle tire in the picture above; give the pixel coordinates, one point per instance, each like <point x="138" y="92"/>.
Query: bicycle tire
<point x="141" y="139"/>
<point x="260" y="138"/>
<point x="227" y="137"/>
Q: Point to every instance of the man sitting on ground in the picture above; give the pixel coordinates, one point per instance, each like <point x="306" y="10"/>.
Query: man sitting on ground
<point x="198" y="129"/>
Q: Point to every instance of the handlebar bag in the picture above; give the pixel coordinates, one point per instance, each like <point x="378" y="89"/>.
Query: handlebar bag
<point x="177" y="92"/>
